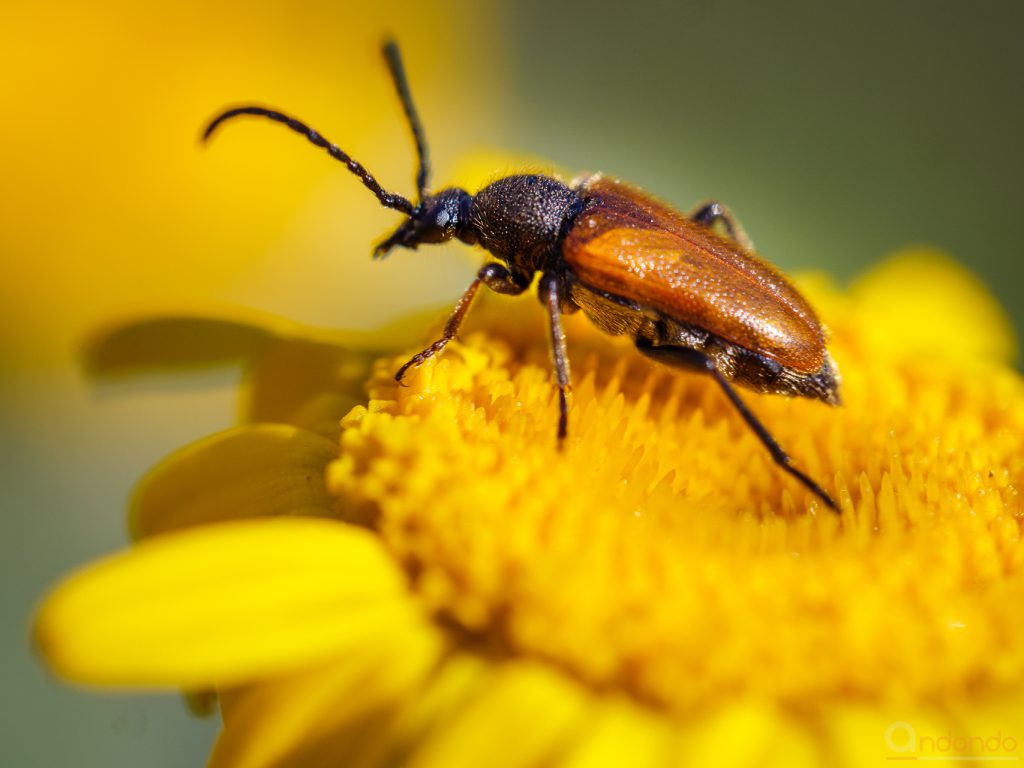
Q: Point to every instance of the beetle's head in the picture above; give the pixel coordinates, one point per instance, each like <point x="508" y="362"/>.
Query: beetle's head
<point x="438" y="218"/>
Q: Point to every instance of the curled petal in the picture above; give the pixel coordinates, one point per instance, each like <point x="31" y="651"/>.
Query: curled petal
<point x="309" y="384"/>
<point x="173" y="341"/>
<point x="262" y="470"/>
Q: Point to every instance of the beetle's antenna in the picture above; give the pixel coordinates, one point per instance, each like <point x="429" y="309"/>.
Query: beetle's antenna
<point x="387" y="199"/>
<point x="394" y="60"/>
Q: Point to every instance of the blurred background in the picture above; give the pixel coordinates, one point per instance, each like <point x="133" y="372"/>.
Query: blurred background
<point x="837" y="132"/>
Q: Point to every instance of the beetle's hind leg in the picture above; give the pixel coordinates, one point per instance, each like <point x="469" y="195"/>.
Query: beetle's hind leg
<point x="494" y="276"/>
<point x="712" y="212"/>
<point x="692" y="359"/>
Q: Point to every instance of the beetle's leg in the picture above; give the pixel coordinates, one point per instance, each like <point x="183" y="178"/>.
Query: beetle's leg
<point x="712" y="212"/>
<point x="494" y="276"/>
<point x="550" y="296"/>
<point x="693" y="359"/>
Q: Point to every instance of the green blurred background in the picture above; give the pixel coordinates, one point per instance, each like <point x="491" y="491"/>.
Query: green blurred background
<point x="836" y="131"/>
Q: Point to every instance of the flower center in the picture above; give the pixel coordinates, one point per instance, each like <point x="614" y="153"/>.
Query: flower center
<point x="662" y="553"/>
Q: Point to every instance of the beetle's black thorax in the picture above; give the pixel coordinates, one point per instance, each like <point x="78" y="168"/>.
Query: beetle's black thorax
<point x="521" y="219"/>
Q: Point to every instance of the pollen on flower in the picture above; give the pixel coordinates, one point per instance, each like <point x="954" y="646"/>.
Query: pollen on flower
<point x="664" y="555"/>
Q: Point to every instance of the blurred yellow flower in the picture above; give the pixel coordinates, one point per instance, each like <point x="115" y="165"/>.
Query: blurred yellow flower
<point x="437" y="585"/>
<point x="110" y="189"/>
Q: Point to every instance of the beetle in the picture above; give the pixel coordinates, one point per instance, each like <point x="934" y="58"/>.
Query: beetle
<point x="688" y="289"/>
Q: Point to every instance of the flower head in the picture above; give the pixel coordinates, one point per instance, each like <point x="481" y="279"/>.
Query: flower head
<point x="657" y="591"/>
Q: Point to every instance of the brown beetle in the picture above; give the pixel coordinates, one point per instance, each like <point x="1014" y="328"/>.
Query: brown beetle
<point x="690" y="297"/>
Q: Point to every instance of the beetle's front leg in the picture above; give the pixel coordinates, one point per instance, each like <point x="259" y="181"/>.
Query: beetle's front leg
<point x="494" y="276"/>
<point x="712" y="212"/>
<point x="550" y="295"/>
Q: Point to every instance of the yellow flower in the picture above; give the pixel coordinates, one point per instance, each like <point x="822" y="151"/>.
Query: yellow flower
<point x="657" y="593"/>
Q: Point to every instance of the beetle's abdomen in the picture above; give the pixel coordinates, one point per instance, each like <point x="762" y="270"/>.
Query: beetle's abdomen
<point x="634" y="247"/>
<point x="518" y="218"/>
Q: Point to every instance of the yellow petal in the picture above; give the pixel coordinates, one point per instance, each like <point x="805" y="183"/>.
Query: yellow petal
<point x="369" y="711"/>
<point x="542" y="708"/>
<point x="624" y="733"/>
<point x="220" y="604"/>
<point x="990" y="726"/>
<point x="382" y="742"/>
<point x="255" y="471"/>
<point x="884" y="735"/>
<point x="310" y="717"/>
<point x="748" y="734"/>
<point x="924" y="301"/>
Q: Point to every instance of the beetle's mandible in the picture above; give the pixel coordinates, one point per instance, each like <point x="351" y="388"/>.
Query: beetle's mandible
<point x="689" y="296"/>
